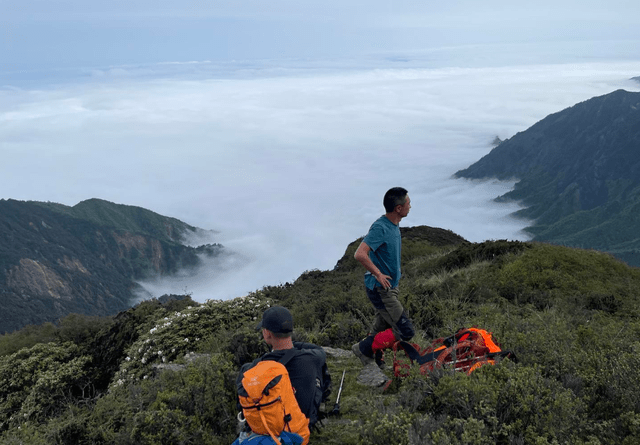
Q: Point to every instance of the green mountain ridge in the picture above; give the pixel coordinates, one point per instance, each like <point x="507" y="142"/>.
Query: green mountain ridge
<point x="127" y="218"/>
<point x="56" y="260"/>
<point x="578" y="174"/>
<point x="164" y="372"/>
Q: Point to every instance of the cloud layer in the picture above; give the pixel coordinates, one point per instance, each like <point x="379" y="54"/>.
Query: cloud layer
<point x="289" y="166"/>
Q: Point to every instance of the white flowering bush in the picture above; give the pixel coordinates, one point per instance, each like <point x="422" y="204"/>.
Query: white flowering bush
<point x="184" y="331"/>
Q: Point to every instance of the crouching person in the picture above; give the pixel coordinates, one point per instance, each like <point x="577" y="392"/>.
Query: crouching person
<point x="294" y="372"/>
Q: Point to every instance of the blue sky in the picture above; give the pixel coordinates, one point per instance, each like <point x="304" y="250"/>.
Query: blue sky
<point x="281" y="124"/>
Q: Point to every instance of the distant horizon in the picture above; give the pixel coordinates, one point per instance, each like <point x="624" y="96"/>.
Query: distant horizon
<point x="75" y="33"/>
<point x="455" y="57"/>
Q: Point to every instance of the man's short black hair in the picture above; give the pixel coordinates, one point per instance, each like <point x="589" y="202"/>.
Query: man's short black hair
<point x="395" y="196"/>
<point x="281" y="334"/>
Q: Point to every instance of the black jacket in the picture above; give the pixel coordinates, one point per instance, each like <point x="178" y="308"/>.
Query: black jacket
<point x="308" y="374"/>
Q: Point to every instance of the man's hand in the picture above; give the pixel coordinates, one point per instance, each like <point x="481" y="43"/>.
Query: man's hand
<point x="384" y="280"/>
<point x="362" y="256"/>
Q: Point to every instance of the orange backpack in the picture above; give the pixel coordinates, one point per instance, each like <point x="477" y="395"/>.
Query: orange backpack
<point x="268" y="402"/>
<point x="466" y="351"/>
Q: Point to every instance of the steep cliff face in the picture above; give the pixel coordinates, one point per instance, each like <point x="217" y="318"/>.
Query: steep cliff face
<point x="33" y="278"/>
<point x="579" y="174"/>
<point x="55" y="260"/>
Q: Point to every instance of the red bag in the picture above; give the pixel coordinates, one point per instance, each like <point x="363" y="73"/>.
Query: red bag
<point x="465" y="351"/>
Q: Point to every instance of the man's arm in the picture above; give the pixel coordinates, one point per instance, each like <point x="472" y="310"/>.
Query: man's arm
<point x="362" y="255"/>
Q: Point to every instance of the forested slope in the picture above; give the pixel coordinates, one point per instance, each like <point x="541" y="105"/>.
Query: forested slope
<point x="56" y="260"/>
<point x="578" y="173"/>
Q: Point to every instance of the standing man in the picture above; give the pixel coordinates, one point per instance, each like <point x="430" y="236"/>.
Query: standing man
<point x="379" y="253"/>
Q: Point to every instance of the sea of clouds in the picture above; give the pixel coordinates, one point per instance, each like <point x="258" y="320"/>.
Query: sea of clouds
<point x="287" y="165"/>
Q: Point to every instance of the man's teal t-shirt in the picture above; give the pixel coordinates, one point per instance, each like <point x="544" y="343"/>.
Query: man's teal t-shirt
<point x="385" y="243"/>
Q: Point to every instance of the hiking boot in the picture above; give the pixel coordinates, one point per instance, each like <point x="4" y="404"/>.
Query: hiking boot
<point x="363" y="358"/>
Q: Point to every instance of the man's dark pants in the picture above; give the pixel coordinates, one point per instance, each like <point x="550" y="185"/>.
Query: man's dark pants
<point x="390" y="315"/>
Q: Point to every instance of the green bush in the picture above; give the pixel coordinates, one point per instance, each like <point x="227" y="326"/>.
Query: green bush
<point x="383" y="429"/>
<point x="342" y="331"/>
<point x="27" y="337"/>
<point x="35" y="383"/>
<point x="505" y="403"/>
<point x="194" y="405"/>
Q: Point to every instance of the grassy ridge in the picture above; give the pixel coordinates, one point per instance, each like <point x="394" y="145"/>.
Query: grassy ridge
<point x="570" y="315"/>
<point x="125" y="218"/>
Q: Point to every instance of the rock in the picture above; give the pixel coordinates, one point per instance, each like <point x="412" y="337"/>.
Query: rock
<point x="337" y="352"/>
<point x="371" y="375"/>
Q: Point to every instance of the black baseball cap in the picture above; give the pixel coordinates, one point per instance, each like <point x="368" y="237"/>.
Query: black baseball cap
<point x="276" y="319"/>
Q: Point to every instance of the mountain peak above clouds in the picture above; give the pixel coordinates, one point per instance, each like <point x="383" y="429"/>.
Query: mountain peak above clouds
<point x="579" y="174"/>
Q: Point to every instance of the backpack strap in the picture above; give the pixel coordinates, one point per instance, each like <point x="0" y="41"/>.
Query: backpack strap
<point x="408" y="348"/>
<point x="503" y="354"/>
<point x="324" y="373"/>
<point x="414" y="354"/>
<point x="288" y="355"/>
